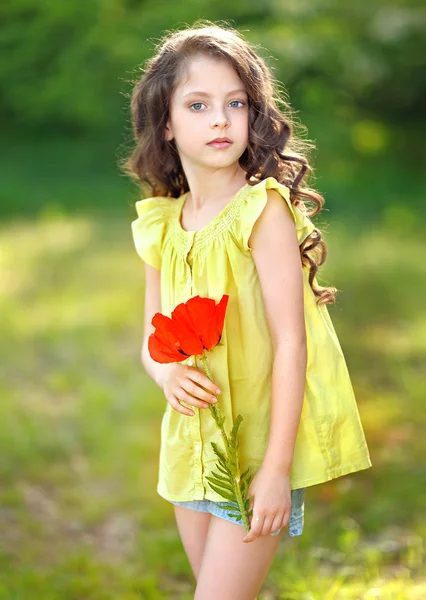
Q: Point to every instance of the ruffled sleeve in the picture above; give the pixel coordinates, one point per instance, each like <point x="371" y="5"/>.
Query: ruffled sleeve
<point x="255" y="201"/>
<point x="149" y="229"/>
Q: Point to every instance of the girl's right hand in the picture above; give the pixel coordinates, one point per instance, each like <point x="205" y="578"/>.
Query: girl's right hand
<point x="181" y="382"/>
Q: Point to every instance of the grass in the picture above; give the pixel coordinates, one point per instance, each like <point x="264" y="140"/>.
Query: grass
<point x="80" y="421"/>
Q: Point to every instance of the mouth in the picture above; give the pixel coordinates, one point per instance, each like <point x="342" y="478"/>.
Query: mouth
<point x="220" y="143"/>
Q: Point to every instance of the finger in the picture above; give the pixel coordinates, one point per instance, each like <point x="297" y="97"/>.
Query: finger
<point x="255" y="529"/>
<point x="176" y="405"/>
<point x="197" y="391"/>
<point x="180" y="394"/>
<point x="250" y="512"/>
<point x="267" y="525"/>
<point x="199" y="377"/>
<point x="286" y="519"/>
<point x="277" y="524"/>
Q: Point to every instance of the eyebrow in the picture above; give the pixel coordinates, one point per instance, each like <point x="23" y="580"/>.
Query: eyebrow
<point x="208" y="95"/>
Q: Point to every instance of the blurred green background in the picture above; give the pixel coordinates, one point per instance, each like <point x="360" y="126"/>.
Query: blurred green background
<point x="79" y="418"/>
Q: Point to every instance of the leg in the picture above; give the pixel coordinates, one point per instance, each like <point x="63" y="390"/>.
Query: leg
<point x="231" y="568"/>
<point x="193" y="527"/>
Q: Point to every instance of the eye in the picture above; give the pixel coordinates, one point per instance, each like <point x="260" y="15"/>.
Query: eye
<point x="195" y="104"/>
<point x="238" y="102"/>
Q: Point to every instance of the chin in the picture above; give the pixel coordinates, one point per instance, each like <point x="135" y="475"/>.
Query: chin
<point x="221" y="164"/>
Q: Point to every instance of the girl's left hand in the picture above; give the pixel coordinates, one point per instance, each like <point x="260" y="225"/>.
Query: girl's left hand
<point x="271" y="501"/>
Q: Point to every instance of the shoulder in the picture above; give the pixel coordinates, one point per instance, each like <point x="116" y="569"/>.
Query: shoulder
<point x="155" y="206"/>
<point x="275" y="220"/>
<point x="150" y="227"/>
<point x="271" y="200"/>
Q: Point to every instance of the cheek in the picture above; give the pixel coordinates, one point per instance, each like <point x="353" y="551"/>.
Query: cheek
<point x="243" y="124"/>
<point x="180" y="119"/>
<point x="242" y="116"/>
<point x="190" y="136"/>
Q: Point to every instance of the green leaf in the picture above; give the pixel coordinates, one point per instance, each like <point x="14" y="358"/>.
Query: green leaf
<point x="218" y="453"/>
<point x="220" y="484"/>
<point x="224" y="485"/>
<point x="235" y="516"/>
<point x="225" y="494"/>
<point x="246" y="472"/>
<point x="246" y="484"/>
<point x="232" y="464"/>
<point x="248" y="481"/>
<point x="230" y="506"/>
<point x="235" y="428"/>
<point x="224" y="470"/>
<point x="221" y="478"/>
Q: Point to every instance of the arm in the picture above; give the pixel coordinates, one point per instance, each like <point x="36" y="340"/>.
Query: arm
<point x="179" y="382"/>
<point x="276" y="254"/>
<point x="154" y="369"/>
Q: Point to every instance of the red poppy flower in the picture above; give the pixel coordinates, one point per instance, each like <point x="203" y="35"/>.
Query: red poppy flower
<point x="195" y="325"/>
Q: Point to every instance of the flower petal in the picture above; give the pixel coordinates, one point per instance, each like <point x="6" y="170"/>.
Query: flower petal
<point x="193" y="326"/>
<point x="163" y="353"/>
<point x="188" y="328"/>
<point x="207" y="318"/>
<point x="165" y="342"/>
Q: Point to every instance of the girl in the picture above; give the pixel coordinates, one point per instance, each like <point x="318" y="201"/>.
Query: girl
<point x="227" y="215"/>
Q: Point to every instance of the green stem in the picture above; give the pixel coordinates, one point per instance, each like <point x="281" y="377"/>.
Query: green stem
<point x="215" y="408"/>
<point x="218" y="417"/>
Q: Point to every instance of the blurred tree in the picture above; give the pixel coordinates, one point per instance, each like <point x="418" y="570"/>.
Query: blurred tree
<point x="68" y="65"/>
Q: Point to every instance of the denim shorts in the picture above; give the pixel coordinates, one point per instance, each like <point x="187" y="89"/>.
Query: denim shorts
<point x="295" y="524"/>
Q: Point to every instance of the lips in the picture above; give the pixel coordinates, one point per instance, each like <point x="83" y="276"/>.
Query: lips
<point x="220" y="141"/>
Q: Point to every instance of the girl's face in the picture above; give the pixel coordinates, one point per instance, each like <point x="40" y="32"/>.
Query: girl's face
<point x="211" y="102"/>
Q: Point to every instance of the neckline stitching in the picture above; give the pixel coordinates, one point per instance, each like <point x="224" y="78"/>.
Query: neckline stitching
<point x="214" y="227"/>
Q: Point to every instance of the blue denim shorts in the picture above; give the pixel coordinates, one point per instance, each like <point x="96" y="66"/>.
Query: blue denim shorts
<point x="295" y="524"/>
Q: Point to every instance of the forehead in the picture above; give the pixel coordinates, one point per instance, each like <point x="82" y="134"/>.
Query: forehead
<point x="208" y="74"/>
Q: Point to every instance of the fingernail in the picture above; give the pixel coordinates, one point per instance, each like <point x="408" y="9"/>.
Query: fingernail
<point x="214" y="400"/>
<point x="217" y="391"/>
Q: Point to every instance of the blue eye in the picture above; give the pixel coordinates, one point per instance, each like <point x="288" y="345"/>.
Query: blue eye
<point x="196" y="104"/>
<point x="238" y="102"/>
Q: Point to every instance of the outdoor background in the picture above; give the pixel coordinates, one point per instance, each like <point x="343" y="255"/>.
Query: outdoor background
<point x="80" y="518"/>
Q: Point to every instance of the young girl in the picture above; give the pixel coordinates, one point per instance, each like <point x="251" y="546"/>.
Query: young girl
<point x="227" y="215"/>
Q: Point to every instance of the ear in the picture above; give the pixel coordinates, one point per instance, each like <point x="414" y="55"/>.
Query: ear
<point x="168" y="132"/>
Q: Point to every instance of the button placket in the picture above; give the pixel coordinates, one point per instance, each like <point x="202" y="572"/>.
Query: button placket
<point x="188" y="281"/>
<point x="195" y="424"/>
<point x="197" y="454"/>
<point x="197" y="447"/>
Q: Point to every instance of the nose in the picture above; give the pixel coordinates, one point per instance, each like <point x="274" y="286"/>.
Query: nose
<point x="220" y="119"/>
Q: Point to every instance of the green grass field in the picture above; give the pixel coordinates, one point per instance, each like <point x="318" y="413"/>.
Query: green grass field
<point x="80" y="421"/>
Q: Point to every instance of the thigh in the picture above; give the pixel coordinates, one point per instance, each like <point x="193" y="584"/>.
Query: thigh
<point x="193" y="527"/>
<point x="242" y="566"/>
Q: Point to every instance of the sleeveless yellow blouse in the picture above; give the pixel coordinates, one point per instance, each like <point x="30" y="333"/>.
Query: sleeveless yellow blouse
<point x="217" y="260"/>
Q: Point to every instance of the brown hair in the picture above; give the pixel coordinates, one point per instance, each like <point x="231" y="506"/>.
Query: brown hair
<point x="273" y="149"/>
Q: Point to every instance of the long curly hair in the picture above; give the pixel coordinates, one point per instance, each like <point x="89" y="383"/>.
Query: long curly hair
<point x="273" y="150"/>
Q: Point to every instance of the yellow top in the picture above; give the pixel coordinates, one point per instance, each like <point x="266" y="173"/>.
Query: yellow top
<point x="217" y="260"/>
